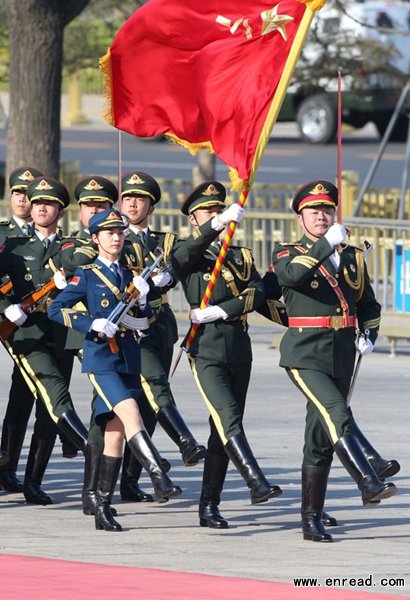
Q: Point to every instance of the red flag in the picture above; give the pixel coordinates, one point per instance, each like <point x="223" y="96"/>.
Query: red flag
<point x="205" y="72"/>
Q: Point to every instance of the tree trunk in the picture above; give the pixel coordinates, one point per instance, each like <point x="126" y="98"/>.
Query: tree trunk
<point x="36" y="50"/>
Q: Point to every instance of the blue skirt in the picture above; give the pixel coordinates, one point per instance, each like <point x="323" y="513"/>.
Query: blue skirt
<point x="112" y="388"/>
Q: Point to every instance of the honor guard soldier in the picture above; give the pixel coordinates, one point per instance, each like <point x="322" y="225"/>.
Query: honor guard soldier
<point x="96" y="194"/>
<point x="21" y="398"/>
<point x="32" y="262"/>
<point x="328" y="294"/>
<point x="139" y="196"/>
<point x="220" y="355"/>
<point x="114" y="372"/>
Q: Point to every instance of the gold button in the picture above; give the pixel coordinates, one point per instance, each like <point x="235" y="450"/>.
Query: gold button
<point x="338" y="310"/>
<point x="95" y="339"/>
<point x="300" y="329"/>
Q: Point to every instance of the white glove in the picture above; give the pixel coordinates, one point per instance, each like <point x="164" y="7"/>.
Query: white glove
<point x="104" y="326"/>
<point x="208" y="314"/>
<point x="162" y="279"/>
<point x="15" y="314"/>
<point x="364" y="346"/>
<point x="232" y="213"/>
<point x="143" y="288"/>
<point x="336" y="234"/>
<point x="59" y="280"/>
<point x="135" y="323"/>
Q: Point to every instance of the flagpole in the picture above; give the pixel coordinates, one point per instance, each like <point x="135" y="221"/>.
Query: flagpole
<point x="339" y="146"/>
<point x="312" y="5"/>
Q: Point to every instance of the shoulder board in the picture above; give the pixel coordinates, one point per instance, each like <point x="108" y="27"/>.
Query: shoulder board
<point x="74" y="234"/>
<point x="281" y="244"/>
<point x="355" y="248"/>
<point x="90" y="266"/>
<point x="4" y="222"/>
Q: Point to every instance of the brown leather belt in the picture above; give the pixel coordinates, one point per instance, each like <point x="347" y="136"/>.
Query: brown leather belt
<point x="332" y="322"/>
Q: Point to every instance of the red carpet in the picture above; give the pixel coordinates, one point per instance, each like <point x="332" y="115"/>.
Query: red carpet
<point x="32" y="578"/>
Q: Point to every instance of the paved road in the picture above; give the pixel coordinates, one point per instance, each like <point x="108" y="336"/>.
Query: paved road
<point x="263" y="542"/>
<point x="286" y="158"/>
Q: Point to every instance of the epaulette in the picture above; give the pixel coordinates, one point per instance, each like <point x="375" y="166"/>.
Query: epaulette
<point x="91" y="266"/>
<point x="4" y="221"/>
<point x="287" y="244"/>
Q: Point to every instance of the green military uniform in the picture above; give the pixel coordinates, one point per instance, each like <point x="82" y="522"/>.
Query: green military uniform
<point x="221" y="355"/>
<point x="328" y="294"/>
<point x="21" y="397"/>
<point x="37" y="344"/>
<point x="157" y="348"/>
<point x="307" y="351"/>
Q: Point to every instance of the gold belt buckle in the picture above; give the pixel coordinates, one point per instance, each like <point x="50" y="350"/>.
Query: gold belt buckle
<point x="336" y="322"/>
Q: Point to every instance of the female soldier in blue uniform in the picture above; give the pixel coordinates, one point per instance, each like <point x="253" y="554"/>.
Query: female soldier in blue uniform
<point x="114" y="375"/>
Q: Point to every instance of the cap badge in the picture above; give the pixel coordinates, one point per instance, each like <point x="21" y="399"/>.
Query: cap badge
<point x="210" y="190"/>
<point x="93" y="185"/>
<point x="135" y="179"/>
<point x="26" y="176"/>
<point x="319" y="189"/>
<point x="43" y="185"/>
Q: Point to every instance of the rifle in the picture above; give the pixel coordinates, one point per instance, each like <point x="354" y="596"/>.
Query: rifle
<point x="368" y="249"/>
<point x="128" y="300"/>
<point x="28" y="304"/>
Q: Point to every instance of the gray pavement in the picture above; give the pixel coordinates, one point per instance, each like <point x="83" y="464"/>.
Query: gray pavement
<point x="263" y="542"/>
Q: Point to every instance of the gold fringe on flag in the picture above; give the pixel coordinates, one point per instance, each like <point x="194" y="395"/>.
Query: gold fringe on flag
<point x="105" y="68"/>
<point x="314" y="5"/>
<point x="192" y="148"/>
<point x="238" y="184"/>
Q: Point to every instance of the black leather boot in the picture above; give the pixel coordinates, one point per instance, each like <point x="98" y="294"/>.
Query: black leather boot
<point x="4" y="459"/>
<point x="215" y="467"/>
<point x="131" y="471"/>
<point x="384" y="468"/>
<point x="238" y="450"/>
<point x="352" y="457"/>
<point x="107" y="480"/>
<point x="174" y="425"/>
<point x="69" y="450"/>
<point x="11" y="443"/>
<point x="72" y="426"/>
<point x="328" y="520"/>
<point x="91" y="473"/>
<point x="314" y="483"/>
<point x="37" y="461"/>
<point x="145" y="452"/>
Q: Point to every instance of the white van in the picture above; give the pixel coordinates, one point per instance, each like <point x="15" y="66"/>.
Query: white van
<point x="358" y="34"/>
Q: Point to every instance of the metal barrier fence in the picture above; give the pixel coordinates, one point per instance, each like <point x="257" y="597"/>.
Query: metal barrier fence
<point x="268" y="220"/>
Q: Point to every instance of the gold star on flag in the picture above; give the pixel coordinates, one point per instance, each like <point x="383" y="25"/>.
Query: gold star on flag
<point x="271" y="21"/>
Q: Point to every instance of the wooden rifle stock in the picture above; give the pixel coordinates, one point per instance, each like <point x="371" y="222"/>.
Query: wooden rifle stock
<point x="6" y="287"/>
<point x="27" y="304"/>
<point x="128" y="300"/>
